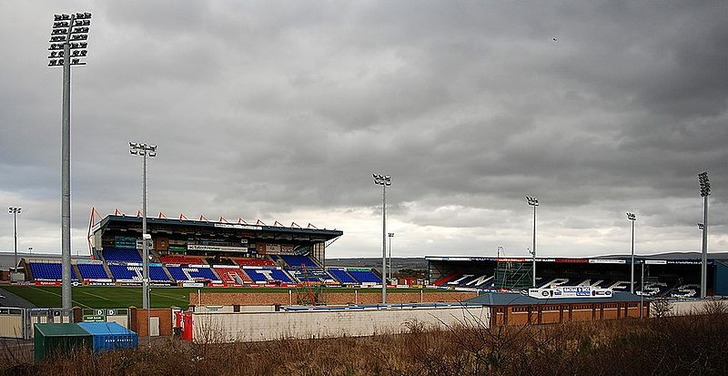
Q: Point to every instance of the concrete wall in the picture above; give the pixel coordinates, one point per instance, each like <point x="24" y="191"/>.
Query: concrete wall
<point x="290" y="297"/>
<point x="266" y="326"/>
<point x="695" y="307"/>
<point x="11" y="326"/>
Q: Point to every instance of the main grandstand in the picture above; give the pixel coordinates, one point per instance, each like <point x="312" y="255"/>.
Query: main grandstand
<point x="663" y="276"/>
<point x="200" y="252"/>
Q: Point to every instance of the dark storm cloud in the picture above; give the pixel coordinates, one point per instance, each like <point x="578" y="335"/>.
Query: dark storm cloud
<point x="282" y="109"/>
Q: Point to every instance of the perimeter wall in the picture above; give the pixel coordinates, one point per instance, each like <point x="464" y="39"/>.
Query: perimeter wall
<point x="291" y="297"/>
<point x="266" y="326"/>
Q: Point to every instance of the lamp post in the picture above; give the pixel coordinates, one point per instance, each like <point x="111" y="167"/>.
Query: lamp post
<point x="631" y="217"/>
<point x="70" y="32"/>
<point x="14" y="210"/>
<point x="642" y="287"/>
<point x="390" y="236"/>
<point x="533" y="201"/>
<point x="144" y="151"/>
<point x="385" y="181"/>
<point x="704" y="193"/>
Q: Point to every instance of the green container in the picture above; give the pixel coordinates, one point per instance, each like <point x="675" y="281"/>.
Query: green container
<point x="53" y="340"/>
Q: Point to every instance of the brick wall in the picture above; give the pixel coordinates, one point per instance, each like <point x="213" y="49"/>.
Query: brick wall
<point x="139" y="323"/>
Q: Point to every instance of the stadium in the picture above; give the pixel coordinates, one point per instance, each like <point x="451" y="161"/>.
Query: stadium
<point x="675" y="276"/>
<point x="201" y="252"/>
<point x="196" y="253"/>
<point x="215" y="256"/>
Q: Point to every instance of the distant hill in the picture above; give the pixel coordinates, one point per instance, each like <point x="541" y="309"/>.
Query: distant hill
<point x="421" y="263"/>
<point x="677" y="256"/>
<point x="397" y="263"/>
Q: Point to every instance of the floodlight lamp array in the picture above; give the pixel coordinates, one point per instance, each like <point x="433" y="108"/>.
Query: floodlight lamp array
<point x="383" y="180"/>
<point x="69" y="31"/>
<point x="532" y="201"/>
<point x="631" y="216"/>
<point x="704" y="184"/>
<point x="141" y="149"/>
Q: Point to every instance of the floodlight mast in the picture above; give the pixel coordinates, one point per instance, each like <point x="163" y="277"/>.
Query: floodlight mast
<point x="385" y="181"/>
<point x="70" y="32"/>
<point x="631" y="217"/>
<point x="390" y="235"/>
<point x="704" y="193"/>
<point x="144" y="151"/>
<point x="533" y="201"/>
<point x="15" y="210"/>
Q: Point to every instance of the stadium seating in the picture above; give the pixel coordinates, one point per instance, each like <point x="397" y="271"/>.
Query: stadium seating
<point x="186" y="273"/>
<point x="46" y="271"/>
<point x="445" y="279"/>
<point x="122" y="255"/>
<point x="470" y="280"/>
<point x="157" y="274"/>
<point x="267" y="275"/>
<point x="126" y="273"/>
<point x="183" y="260"/>
<point x="92" y="271"/>
<point x="364" y="275"/>
<point x="295" y="261"/>
<point x="233" y="275"/>
<point x="315" y="276"/>
<point x="342" y="276"/>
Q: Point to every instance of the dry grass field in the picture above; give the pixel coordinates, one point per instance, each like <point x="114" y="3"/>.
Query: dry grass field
<point x="694" y="345"/>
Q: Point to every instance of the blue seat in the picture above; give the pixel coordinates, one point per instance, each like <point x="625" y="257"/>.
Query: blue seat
<point x="92" y="271"/>
<point x="342" y="276"/>
<point x="262" y="275"/>
<point x="186" y="273"/>
<point x="49" y="272"/>
<point x="295" y="261"/>
<point x="365" y="276"/>
<point x="177" y="273"/>
<point x="123" y="272"/>
<point x="123" y="255"/>
<point x="156" y="273"/>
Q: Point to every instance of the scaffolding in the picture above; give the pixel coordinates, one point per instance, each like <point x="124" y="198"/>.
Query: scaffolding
<point x="513" y="275"/>
<point x="310" y="292"/>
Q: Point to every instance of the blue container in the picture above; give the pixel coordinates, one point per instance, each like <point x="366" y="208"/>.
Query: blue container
<point x="107" y="336"/>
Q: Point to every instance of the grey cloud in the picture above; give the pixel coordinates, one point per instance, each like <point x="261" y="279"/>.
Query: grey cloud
<point x="271" y="109"/>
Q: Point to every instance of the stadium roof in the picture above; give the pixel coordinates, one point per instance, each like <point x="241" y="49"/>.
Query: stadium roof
<point x="501" y="299"/>
<point x="596" y="260"/>
<point x="263" y="231"/>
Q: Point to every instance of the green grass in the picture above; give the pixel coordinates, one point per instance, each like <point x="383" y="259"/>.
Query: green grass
<point x="122" y="297"/>
<point x="103" y="297"/>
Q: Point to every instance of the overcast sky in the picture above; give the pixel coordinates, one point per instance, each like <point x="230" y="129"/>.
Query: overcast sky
<point x="282" y="110"/>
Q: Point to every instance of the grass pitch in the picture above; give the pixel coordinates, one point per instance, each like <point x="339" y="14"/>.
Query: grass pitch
<point x="103" y="296"/>
<point x="122" y="297"/>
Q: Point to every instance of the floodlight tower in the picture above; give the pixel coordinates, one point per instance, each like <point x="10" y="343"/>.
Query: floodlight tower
<point x="390" y="236"/>
<point x="533" y="201"/>
<point x="144" y="151"/>
<point x="70" y="32"/>
<point x="631" y="217"/>
<point x="385" y="181"/>
<point x="14" y="210"/>
<point x="704" y="193"/>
